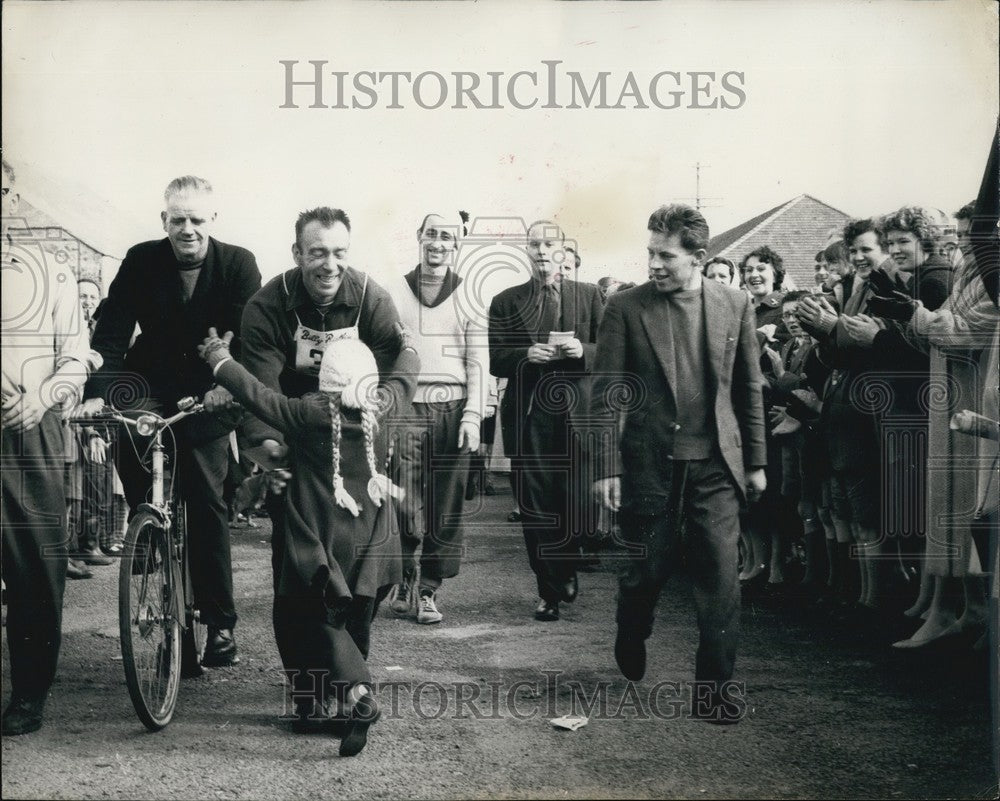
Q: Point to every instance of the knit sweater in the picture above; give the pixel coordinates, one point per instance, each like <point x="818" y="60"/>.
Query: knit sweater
<point x="451" y="341"/>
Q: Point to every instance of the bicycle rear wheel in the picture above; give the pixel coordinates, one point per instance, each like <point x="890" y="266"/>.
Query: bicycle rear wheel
<point x="149" y="628"/>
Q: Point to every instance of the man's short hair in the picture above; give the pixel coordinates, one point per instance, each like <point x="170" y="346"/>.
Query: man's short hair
<point x="967" y="211"/>
<point x="186" y="184"/>
<point x="8" y="170"/>
<point x="607" y="281"/>
<point x="325" y="216"/>
<point x="925" y="224"/>
<point x="720" y="260"/>
<point x="767" y="256"/>
<point x="795" y="296"/>
<point x="93" y="281"/>
<point x="688" y="223"/>
<point x="856" y="228"/>
<point x="460" y="225"/>
<point x="835" y="252"/>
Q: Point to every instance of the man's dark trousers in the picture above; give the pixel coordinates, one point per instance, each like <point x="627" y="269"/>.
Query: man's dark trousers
<point x="542" y="479"/>
<point x="700" y="527"/>
<point x="34" y="552"/>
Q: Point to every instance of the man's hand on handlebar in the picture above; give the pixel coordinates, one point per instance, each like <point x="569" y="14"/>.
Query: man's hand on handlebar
<point x="219" y="399"/>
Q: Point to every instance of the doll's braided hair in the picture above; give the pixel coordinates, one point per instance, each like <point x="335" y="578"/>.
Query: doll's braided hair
<point x="348" y="375"/>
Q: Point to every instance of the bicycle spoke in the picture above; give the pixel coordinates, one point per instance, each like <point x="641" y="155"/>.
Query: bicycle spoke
<point x="150" y="630"/>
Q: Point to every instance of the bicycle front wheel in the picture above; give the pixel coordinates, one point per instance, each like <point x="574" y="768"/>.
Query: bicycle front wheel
<point x="150" y="630"/>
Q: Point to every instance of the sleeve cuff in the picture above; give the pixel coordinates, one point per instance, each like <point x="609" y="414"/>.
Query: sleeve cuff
<point x="470" y="416"/>
<point x="91" y="360"/>
<point x="215" y="370"/>
<point x="826" y="325"/>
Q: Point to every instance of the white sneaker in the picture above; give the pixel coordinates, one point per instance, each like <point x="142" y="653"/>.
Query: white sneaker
<point x="427" y="611"/>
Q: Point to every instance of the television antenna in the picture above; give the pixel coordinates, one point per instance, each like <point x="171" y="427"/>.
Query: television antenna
<point x="699" y="201"/>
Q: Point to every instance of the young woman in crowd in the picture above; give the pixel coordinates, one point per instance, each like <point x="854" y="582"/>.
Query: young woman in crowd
<point x="770" y="520"/>
<point x="721" y="269"/>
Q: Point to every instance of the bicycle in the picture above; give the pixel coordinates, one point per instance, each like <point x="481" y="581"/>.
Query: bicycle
<point x="156" y="614"/>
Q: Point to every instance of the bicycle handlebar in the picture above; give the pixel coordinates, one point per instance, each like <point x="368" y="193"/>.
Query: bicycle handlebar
<point x="109" y="414"/>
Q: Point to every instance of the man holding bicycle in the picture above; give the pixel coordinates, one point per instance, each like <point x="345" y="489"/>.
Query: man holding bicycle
<point x="176" y="289"/>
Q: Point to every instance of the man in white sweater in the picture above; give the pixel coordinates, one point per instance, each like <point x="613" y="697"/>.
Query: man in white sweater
<point x="433" y="462"/>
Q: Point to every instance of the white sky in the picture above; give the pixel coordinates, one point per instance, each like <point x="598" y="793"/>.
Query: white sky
<point x="866" y="106"/>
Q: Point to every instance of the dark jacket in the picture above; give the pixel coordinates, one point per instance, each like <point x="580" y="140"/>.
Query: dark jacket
<point x="147" y="290"/>
<point x="888" y="379"/>
<point x="931" y="285"/>
<point x="512" y="331"/>
<point x="633" y="378"/>
<point x="768" y="311"/>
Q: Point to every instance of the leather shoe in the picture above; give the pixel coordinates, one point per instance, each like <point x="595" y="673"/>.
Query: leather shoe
<point x="23" y="715"/>
<point x="220" y="650"/>
<point x="547" y="610"/>
<point x="365" y="712"/>
<point x="94" y="557"/>
<point x="312" y="717"/>
<point x="77" y="570"/>
<point x="630" y="654"/>
<point x="569" y="589"/>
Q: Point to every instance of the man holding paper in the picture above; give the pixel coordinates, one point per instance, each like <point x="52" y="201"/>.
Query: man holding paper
<point x="542" y="337"/>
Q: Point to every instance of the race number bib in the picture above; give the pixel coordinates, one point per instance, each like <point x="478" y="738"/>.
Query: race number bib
<point x="310" y="345"/>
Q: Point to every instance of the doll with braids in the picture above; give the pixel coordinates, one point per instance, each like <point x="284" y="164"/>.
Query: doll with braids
<point x="348" y="375"/>
<point x="340" y="553"/>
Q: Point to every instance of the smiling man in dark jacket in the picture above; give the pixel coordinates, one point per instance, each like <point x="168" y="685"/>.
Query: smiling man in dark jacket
<point x="176" y="289"/>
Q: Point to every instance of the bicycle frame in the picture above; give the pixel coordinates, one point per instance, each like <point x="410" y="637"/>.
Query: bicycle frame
<point x="166" y="508"/>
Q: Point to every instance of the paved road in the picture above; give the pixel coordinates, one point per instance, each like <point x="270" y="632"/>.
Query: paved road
<point x="833" y="712"/>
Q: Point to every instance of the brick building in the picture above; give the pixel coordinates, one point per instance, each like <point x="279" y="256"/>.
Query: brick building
<point x="796" y="230"/>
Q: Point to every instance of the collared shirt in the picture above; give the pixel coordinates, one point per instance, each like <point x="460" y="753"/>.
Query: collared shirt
<point x="42" y="324"/>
